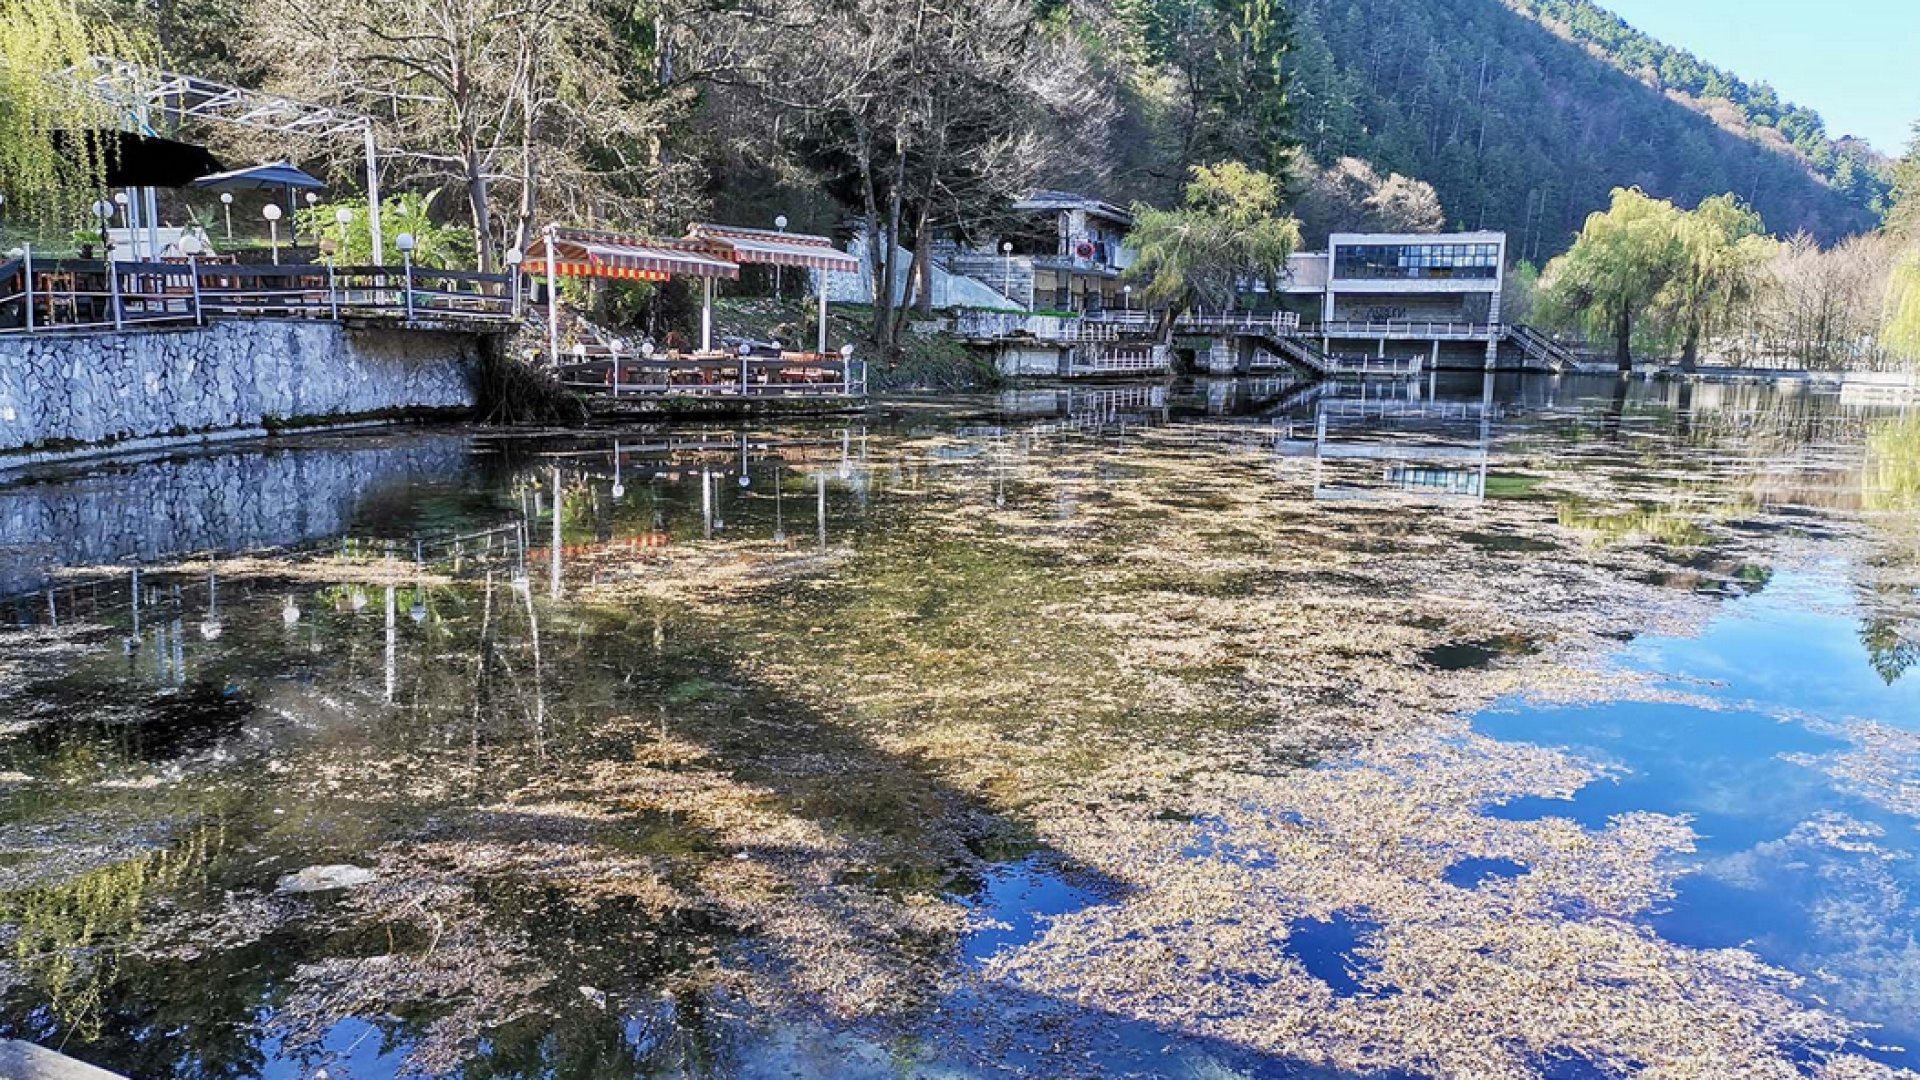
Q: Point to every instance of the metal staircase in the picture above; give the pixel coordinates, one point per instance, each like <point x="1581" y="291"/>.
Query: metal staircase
<point x="1540" y="348"/>
<point x="1303" y="352"/>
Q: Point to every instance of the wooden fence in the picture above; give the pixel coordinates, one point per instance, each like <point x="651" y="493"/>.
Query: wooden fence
<point x="39" y="296"/>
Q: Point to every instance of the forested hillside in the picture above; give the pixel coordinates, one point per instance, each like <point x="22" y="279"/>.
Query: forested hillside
<point x="1751" y="109"/>
<point x="1521" y="115"/>
<point x="1520" y="129"/>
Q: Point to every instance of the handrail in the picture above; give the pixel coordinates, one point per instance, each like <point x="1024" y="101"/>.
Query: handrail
<point x="1410" y="327"/>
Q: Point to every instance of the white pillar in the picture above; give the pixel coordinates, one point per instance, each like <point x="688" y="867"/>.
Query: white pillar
<point x="373" y="199"/>
<point x="553" y="303"/>
<point x="151" y="208"/>
<point x="706" y="315"/>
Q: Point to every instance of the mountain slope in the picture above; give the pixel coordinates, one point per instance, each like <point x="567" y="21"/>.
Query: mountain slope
<point x="1521" y="129"/>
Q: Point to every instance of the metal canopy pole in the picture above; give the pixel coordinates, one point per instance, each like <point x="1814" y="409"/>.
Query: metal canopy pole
<point x="822" y="278"/>
<point x="373" y="197"/>
<point x="706" y="316"/>
<point x="553" y="302"/>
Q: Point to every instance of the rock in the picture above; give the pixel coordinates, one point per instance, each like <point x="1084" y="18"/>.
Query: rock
<point x="326" y="878"/>
<point x="25" y="1061"/>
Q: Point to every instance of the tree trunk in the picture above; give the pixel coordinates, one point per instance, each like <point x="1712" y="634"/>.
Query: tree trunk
<point x="1690" y="352"/>
<point x="482" y="217"/>
<point x="885" y="329"/>
<point x="923" y="259"/>
<point x="882" y="280"/>
<point x="1623" y="338"/>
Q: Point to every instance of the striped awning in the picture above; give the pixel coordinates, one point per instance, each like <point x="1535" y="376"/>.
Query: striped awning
<point x="582" y="253"/>
<point x="775" y="248"/>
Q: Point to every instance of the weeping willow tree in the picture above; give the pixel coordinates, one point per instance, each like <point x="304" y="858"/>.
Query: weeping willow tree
<point x="49" y="171"/>
<point x="1230" y="230"/>
<point x="1903" y="307"/>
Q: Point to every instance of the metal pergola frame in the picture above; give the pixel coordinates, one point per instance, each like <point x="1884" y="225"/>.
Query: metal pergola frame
<point x="147" y="91"/>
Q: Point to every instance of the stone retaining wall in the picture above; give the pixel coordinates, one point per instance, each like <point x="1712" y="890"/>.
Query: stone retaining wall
<point x="98" y="388"/>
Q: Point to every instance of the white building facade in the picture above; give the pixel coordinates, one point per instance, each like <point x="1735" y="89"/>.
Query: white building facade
<point x="1401" y="291"/>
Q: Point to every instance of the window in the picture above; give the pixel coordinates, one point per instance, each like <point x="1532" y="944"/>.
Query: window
<point x="1376" y="262"/>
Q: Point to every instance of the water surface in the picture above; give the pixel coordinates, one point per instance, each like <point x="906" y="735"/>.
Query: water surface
<point x="1199" y="730"/>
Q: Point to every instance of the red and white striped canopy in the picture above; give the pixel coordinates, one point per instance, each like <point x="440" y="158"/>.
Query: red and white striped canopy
<point x="775" y="248"/>
<point x="583" y="253"/>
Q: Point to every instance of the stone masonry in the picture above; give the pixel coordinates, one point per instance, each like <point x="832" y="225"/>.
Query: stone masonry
<point x="98" y="388"/>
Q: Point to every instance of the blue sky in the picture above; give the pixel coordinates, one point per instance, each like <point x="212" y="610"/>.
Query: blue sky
<point x="1855" y="61"/>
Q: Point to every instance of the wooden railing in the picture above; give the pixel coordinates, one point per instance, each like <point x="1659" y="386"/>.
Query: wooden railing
<point x="78" y="296"/>
<point x="715" y="374"/>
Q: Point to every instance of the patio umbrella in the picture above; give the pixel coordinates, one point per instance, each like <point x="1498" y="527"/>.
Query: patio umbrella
<point x="269" y="177"/>
<point x="272" y="176"/>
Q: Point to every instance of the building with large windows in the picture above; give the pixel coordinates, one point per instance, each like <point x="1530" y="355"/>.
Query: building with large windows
<point x="1403" y="293"/>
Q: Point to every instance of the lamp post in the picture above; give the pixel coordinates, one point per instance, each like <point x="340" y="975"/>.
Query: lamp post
<point x="780" y="225"/>
<point x="343" y="217"/>
<point x="514" y="258"/>
<point x="121" y="201"/>
<point x="311" y="200"/>
<point x="190" y="247"/>
<point x="1006" y="258"/>
<point x="271" y="212"/>
<point x="405" y="243"/>
<point x="226" y="207"/>
<point x="1126" y="298"/>
<point x="103" y="210"/>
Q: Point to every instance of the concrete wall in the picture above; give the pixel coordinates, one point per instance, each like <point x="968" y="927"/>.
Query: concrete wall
<point x="1015" y="360"/>
<point x="97" y="388"/>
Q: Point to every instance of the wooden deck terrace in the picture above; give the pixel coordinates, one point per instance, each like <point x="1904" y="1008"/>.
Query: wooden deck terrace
<point x="715" y="374"/>
<point x="66" y="296"/>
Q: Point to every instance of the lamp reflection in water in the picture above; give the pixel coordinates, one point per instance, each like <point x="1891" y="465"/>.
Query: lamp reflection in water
<point x="779" y="520"/>
<point x="210" y="629"/>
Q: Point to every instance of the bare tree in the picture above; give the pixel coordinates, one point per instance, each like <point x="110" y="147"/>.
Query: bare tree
<point x="529" y="96"/>
<point x="912" y="113"/>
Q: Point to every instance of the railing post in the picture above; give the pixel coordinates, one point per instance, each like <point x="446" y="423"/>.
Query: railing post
<point x="333" y="292"/>
<point x="26" y="266"/>
<point x="113" y="293"/>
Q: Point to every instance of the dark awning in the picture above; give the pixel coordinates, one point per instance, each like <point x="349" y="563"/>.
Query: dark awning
<point x="142" y="160"/>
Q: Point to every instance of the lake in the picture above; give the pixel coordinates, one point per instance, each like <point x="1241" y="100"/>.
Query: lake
<point x="1516" y="727"/>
